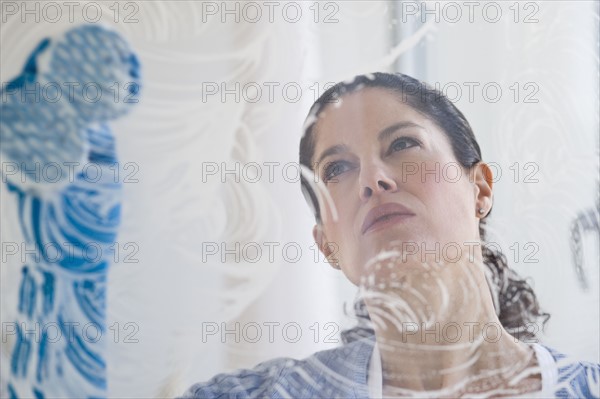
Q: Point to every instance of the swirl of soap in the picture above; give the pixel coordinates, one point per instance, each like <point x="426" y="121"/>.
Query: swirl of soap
<point x="87" y="76"/>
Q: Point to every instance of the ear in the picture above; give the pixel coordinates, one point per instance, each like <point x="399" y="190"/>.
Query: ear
<point x="324" y="246"/>
<point x="484" y="181"/>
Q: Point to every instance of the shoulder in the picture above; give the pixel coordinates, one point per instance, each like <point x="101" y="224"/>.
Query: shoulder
<point x="243" y="383"/>
<point x="576" y="379"/>
<point x="341" y="371"/>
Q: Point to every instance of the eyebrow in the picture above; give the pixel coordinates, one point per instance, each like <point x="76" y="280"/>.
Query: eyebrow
<point x="388" y="131"/>
<point x="384" y="134"/>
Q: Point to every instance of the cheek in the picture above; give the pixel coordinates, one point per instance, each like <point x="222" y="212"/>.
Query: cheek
<point x="338" y="191"/>
<point x="340" y="232"/>
<point x="338" y="213"/>
<point x="442" y="184"/>
<point x="446" y="200"/>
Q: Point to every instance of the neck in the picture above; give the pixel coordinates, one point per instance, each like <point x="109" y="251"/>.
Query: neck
<point x="438" y="331"/>
<point x="426" y="363"/>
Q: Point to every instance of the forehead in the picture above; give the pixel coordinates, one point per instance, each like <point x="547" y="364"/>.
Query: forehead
<point x="363" y="114"/>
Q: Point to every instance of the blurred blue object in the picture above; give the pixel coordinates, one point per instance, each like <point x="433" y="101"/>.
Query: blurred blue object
<point x="89" y="75"/>
<point x="59" y="167"/>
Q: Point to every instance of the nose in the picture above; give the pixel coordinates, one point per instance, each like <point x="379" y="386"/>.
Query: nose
<point x="375" y="179"/>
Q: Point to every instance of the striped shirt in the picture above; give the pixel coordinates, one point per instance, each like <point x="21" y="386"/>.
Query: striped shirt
<point x="343" y="372"/>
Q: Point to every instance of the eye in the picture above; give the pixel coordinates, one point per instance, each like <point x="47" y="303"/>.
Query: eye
<point x="402" y="143"/>
<point x="334" y="169"/>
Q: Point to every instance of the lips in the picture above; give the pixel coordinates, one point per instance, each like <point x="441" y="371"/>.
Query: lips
<point x="385" y="214"/>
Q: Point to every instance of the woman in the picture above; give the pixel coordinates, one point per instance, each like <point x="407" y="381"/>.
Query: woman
<point x="400" y="196"/>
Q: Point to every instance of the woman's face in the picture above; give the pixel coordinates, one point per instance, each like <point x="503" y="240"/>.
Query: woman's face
<point x="395" y="184"/>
